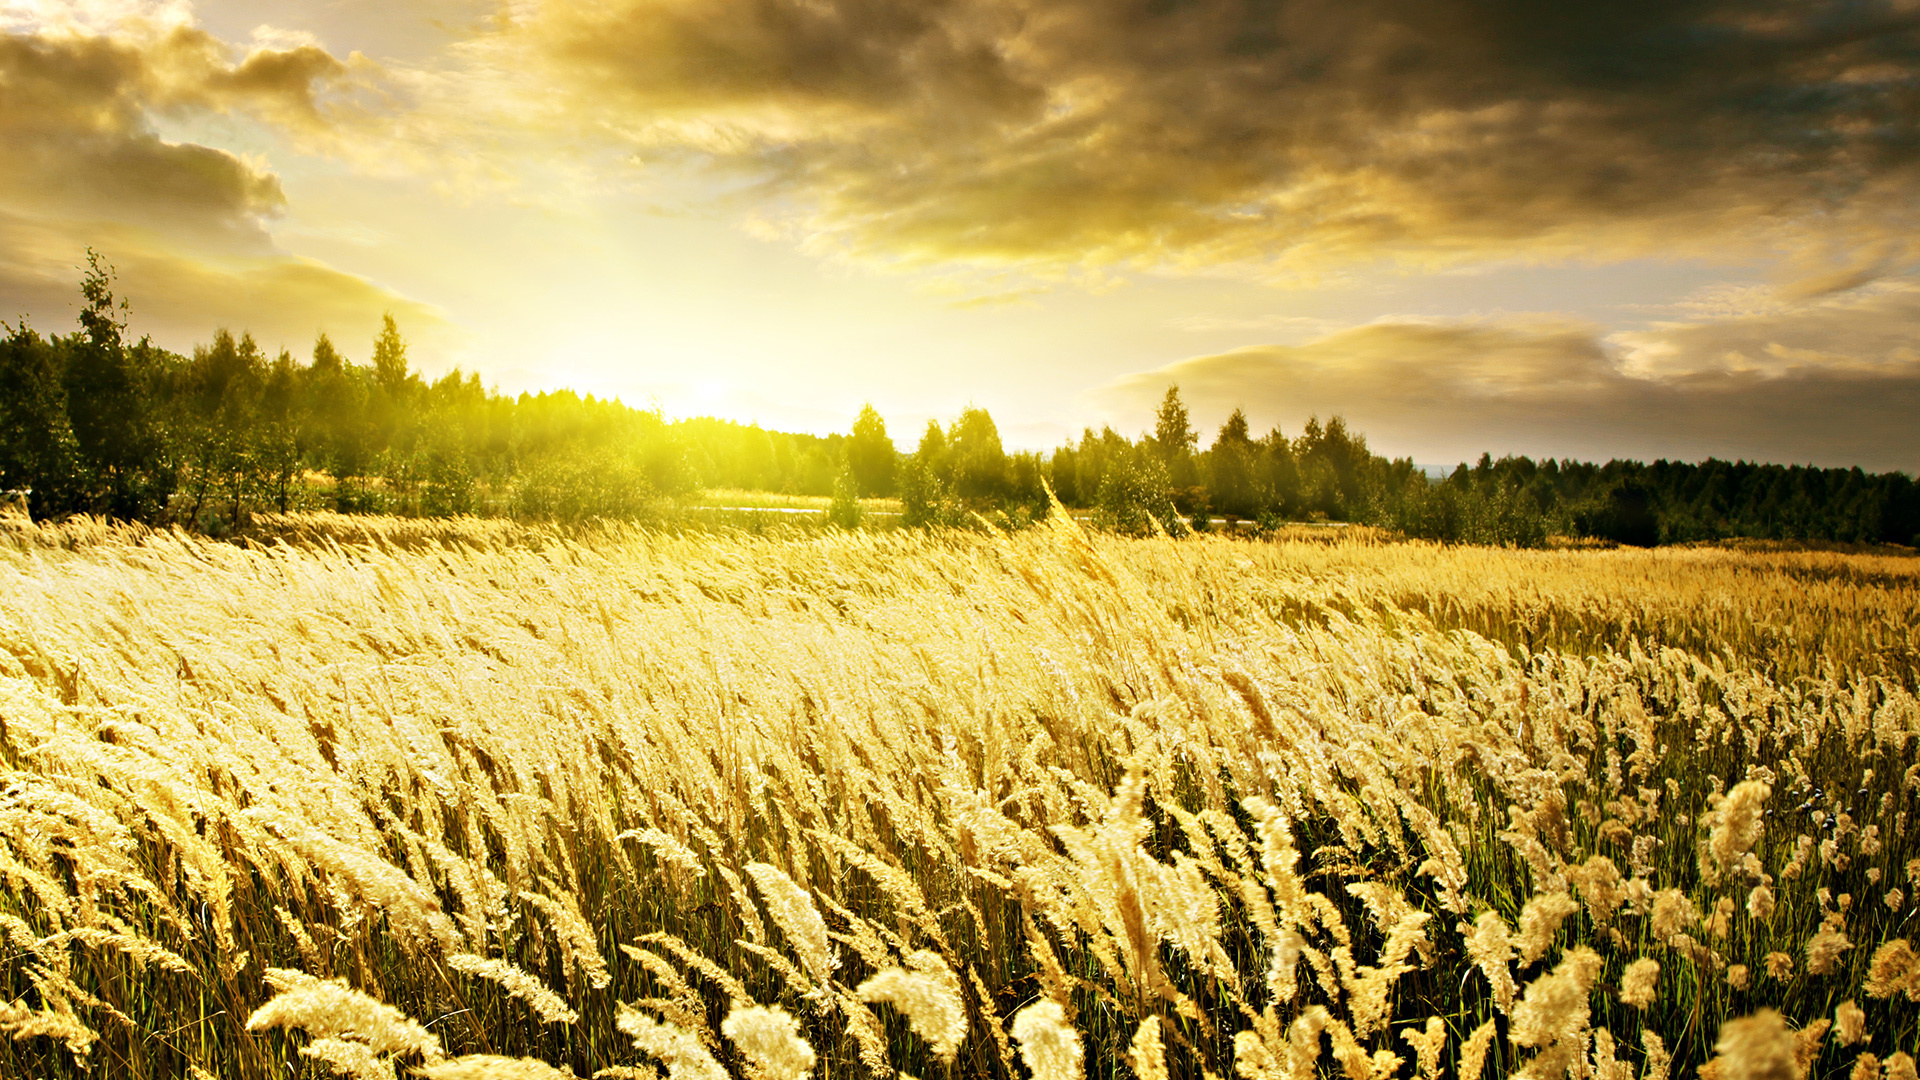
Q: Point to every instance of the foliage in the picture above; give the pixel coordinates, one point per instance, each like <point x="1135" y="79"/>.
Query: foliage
<point x="844" y="511"/>
<point x="870" y="454"/>
<point x="1173" y="440"/>
<point x="975" y="464"/>
<point x="37" y="450"/>
<point x="571" y="488"/>
<point x="1134" y="500"/>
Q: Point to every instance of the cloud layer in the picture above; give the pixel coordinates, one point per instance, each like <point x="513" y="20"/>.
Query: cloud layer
<point x="1834" y="383"/>
<point x="187" y="224"/>
<point x="1304" y="133"/>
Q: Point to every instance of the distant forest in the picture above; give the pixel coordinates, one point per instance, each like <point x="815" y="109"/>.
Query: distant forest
<point x="95" y="422"/>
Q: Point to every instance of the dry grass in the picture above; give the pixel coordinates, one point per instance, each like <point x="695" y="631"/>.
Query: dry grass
<point x="740" y="498"/>
<point x="478" y="800"/>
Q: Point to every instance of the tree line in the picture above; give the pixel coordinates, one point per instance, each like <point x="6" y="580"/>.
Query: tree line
<point x="94" y="421"/>
<point x="1163" y="481"/>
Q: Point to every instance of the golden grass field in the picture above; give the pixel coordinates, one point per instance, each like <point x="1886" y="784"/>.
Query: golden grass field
<point x="468" y="799"/>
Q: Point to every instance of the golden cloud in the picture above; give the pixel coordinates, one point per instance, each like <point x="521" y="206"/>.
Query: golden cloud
<point x="1296" y="134"/>
<point x="1835" y="382"/>
<point x="180" y="297"/>
<point x="186" y="223"/>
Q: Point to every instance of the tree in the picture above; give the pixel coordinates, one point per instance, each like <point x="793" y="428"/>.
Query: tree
<point x="1089" y="465"/>
<point x="1027" y="485"/>
<point x="979" y="461"/>
<point x="390" y="359"/>
<point x="922" y="496"/>
<point x="340" y="437"/>
<point x="1626" y="514"/>
<point x="1332" y="462"/>
<point x="327" y="361"/>
<point x="36" y="445"/>
<point x="1063" y="470"/>
<point x="393" y="422"/>
<point x="111" y="405"/>
<point x="1280" y="475"/>
<point x="1231" y="469"/>
<point x="1174" y="439"/>
<point x="102" y="318"/>
<point x="276" y="440"/>
<point x="870" y="454"/>
<point x="220" y="426"/>
<point x="932" y="455"/>
<point x="1133" y="498"/>
<point x="924" y="488"/>
<point x="844" y="511"/>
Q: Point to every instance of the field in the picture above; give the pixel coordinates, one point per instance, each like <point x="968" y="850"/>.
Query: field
<point x="468" y="799"/>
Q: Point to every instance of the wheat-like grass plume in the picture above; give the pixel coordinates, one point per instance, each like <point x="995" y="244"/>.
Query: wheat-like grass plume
<point x="1049" y="1046"/>
<point x="1226" y="807"/>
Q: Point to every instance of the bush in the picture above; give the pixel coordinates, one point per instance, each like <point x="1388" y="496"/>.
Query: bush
<point x="844" y="511"/>
<point x="1133" y="499"/>
<point x="577" y="489"/>
<point x="1624" y="515"/>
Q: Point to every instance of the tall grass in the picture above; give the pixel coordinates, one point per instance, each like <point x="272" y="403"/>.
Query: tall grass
<point x="485" y="800"/>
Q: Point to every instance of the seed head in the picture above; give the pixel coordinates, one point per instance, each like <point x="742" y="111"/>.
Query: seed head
<point x="1757" y="1047"/>
<point x="1849" y="1023"/>
<point x="771" y="1038"/>
<point x="1639" y="983"/>
<point x="1048" y="1044"/>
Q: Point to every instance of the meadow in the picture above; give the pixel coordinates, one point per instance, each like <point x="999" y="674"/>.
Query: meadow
<point x="385" y="797"/>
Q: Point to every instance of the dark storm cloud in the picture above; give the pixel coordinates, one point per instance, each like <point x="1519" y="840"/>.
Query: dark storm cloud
<point x="1307" y="132"/>
<point x="1835" y="383"/>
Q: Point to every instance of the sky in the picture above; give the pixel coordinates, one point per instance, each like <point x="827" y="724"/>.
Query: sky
<point x="1585" y="229"/>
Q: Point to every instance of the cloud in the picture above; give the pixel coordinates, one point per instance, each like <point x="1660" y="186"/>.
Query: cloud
<point x="180" y="298"/>
<point x="1298" y="135"/>
<point x="1836" y="382"/>
<point x="1210" y="324"/>
<point x="187" y="224"/>
<point x="72" y="114"/>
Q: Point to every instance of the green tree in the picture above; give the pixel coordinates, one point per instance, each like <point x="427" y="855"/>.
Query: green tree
<point x="1090" y="463"/>
<point x="219" y="426"/>
<point x="37" y="453"/>
<point x="1063" y="470"/>
<point x="390" y="359"/>
<point x="327" y="361"/>
<point x="924" y="489"/>
<point x="922" y="496"/>
<point x="1174" y="439"/>
<point x="844" y="511"/>
<point x="111" y="399"/>
<point x="341" y="437"/>
<point x="1133" y="498"/>
<point x="276" y="437"/>
<point x="1279" y="477"/>
<point x="451" y="444"/>
<point x="390" y="409"/>
<point x="980" y="467"/>
<point x="933" y="456"/>
<point x="870" y="454"/>
<point x="1027" y="487"/>
<point x="1333" y="466"/>
<point x="1232" y="480"/>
